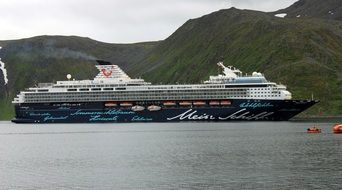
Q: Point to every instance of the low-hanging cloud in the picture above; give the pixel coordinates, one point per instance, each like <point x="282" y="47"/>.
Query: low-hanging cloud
<point x="263" y="5"/>
<point x="112" y="20"/>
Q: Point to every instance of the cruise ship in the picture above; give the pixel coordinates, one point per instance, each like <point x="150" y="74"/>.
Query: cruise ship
<point x="112" y="96"/>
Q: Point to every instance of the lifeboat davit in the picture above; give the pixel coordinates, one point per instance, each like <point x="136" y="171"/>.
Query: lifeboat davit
<point x="314" y="130"/>
<point x="154" y="108"/>
<point x="337" y="128"/>
<point x="138" y="108"/>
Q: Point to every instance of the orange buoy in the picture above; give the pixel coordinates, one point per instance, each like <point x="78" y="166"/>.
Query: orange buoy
<point x="337" y="128"/>
<point x="314" y="130"/>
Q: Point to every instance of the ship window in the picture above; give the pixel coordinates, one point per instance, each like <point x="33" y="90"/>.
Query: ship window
<point x="71" y="90"/>
<point x="43" y="90"/>
<point x="108" y="89"/>
<point x="84" y="89"/>
<point x="96" y="89"/>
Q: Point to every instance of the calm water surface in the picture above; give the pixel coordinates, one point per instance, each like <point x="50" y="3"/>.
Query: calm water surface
<point x="257" y="155"/>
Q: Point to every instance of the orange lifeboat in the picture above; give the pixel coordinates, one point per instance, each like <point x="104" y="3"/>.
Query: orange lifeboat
<point x="169" y="103"/>
<point x="110" y="104"/>
<point x="199" y="103"/>
<point x="185" y="103"/>
<point x="337" y="128"/>
<point x="314" y="129"/>
<point x="214" y="103"/>
<point x="226" y="103"/>
<point x="126" y="104"/>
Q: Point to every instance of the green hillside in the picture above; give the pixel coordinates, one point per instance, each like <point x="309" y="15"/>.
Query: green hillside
<point x="304" y="54"/>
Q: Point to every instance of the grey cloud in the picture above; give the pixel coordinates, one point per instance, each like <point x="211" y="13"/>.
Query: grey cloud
<point x="111" y="20"/>
<point x="262" y="5"/>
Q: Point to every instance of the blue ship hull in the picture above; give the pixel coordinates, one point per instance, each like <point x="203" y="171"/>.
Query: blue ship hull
<point x="239" y="110"/>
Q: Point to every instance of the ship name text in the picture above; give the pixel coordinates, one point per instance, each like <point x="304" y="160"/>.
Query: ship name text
<point x="255" y="105"/>
<point x="192" y="115"/>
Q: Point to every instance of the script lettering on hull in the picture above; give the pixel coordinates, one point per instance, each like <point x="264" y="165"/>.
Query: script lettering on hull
<point x="255" y="105"/>
<point x="52" y="118"/>
<point x="192" y="115"/>
<point x="242" y="114"/>
<point x="99" y="118"/>
<point x="246" y="115"/>
<point x="109" y="112"/>
<point x="139" y="118"/>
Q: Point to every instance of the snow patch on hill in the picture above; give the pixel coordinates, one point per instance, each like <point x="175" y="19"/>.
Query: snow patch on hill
<point x="281" y="15"/>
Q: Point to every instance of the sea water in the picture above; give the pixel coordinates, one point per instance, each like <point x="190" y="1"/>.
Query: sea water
<point x="238" y="155"/>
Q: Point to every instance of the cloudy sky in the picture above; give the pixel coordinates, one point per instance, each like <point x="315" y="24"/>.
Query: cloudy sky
<point x="116" y="21"/>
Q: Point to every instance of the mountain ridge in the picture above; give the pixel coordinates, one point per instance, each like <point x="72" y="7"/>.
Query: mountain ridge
<point x="324" y="9"/>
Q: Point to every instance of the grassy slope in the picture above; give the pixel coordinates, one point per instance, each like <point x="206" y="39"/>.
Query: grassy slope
<point x="303" y="54"/>
<point x="6" y="109"/>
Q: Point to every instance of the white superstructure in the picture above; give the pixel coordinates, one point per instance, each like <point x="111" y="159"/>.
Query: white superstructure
<point x="112" y="84"/>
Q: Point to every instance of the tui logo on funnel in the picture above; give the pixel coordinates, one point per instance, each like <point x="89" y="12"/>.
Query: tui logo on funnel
<point x="106" y="72"/>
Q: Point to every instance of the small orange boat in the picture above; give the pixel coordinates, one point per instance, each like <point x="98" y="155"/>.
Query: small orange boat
<point x="337" y="128"/>
<point x="314" y="129"/>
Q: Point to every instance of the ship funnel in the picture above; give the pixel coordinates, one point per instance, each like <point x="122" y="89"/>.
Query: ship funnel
<point x="103" y="62"/>
<point x="107" y="70"/>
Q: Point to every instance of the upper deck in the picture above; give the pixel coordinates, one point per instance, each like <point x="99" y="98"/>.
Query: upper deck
<point x="114" y="84"/>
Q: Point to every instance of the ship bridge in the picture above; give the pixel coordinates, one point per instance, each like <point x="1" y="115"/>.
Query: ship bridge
<point x="233" y="75"/>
